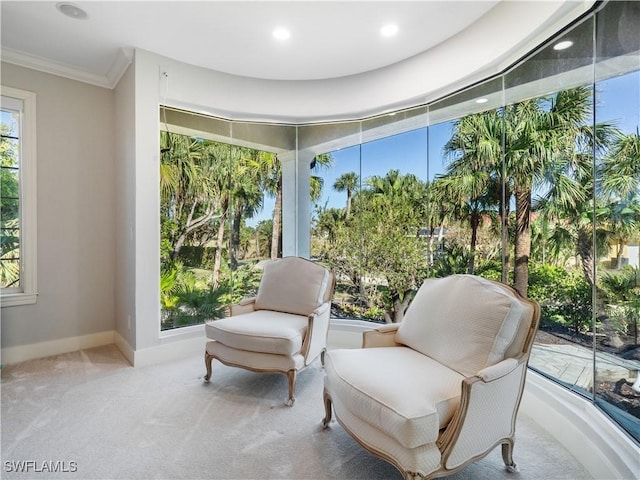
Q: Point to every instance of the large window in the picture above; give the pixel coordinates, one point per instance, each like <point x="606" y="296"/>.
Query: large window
<point x="531" y="177"/>
<point x="18" y="198"/>
<point x="214" y="227"/>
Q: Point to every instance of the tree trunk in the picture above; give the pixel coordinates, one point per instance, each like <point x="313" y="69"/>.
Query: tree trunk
<point x="475" y="222"/>
<point x="190" y="226"/>
<point x="396" y="315"/>
<point x="619" y="256"/>
<point x="585" y="252"/>
<point x="215" y="277"/>
<point x="235" y="238"/>
<point x="504" y="213"/>
<point x="522" y="249"/>
<point x="275" y="234"/>
<point x="346" y="217"/>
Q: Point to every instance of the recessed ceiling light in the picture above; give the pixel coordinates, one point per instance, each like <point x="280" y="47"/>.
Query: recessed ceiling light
<point x="482" y="100"/>
<point x="563" y="45"/>
<point x="281" y="33"/>
<point x="389" y="30"/>
<point x="71" y="10"/>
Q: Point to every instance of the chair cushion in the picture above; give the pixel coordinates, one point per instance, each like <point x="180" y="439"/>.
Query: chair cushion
<point x="400" y="391"/>
<point x="260" y="331"/>
<point x="293" y="285"/>
<point x="462" y="321"/>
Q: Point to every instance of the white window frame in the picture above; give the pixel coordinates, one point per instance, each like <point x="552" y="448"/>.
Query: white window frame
<point x="27" y="292"/>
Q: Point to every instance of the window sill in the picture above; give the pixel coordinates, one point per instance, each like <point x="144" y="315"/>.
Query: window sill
<point x="17" y="299"/>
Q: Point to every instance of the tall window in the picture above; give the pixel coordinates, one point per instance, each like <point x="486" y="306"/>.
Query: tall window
<point x="213" y="226"/>
<point x="18" y="198"/>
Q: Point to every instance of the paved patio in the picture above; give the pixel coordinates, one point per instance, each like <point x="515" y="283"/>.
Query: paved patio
<point x="573" y="364"/>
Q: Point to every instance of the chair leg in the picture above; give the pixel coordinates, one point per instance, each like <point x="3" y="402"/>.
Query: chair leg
<point x="507" y="456"/>
<point x="207" y="363"/>
<point x="327" y="409"/>
<point x="291" y="375"/>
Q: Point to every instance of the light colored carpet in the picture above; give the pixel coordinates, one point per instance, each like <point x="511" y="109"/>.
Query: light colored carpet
<point x="162" y="422"/>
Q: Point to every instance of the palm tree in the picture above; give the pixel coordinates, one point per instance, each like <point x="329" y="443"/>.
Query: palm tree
<point x="347" y="182"/>
<point x="270" y="171"/>
<point x="541" y="131"/>
<point x="620" y="184"/>
<point x="270" y="175"/>
<point x="470" y="197"/>
<point x="621" y="167"/>
<point x="247" y="196"/>
<point x="189" y="200"/>
<point x="474" y="182"/>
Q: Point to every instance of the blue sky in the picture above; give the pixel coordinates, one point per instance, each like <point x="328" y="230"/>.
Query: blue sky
<point x="617" y="100"/>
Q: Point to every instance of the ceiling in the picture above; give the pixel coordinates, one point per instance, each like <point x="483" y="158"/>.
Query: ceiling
<point x="336" y="65"/>
<point x="328" y="39"/>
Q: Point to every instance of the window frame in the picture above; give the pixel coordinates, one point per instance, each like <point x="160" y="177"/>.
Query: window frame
<point x="27" y="292"/>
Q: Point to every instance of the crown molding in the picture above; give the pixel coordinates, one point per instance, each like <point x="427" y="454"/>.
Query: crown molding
<point x="110" y="80"/>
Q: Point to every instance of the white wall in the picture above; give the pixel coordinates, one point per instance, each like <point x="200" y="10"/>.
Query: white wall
<point x="75" y="189"/>
<point x="124" y="211"/>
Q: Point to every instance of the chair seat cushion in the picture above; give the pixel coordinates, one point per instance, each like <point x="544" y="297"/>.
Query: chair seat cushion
<point x="260" y="331"/>
<point x="398" y="390"/>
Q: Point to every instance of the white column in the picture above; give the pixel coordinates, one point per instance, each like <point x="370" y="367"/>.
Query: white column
<point x="296" y="204"/>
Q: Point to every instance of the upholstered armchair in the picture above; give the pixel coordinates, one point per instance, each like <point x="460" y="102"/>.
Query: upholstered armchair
<point x="283" y="328"/>
<point x="441" y="389"/>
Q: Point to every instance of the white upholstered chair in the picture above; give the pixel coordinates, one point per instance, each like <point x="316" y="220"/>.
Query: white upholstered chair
<point x="283" y="328"/>
<point x="441" y="389"/>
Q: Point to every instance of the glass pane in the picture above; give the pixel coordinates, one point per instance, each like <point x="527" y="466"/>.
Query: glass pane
<point x="10" y="153"/>
<point x="564" y="62"/>
<point x="465" y="170"/>
<point x="10" y="212"/>
<point x="9" y="273"/>
<point x="335" y="228"/>
<point x="617" y="361"/>
<point x="10" y="183"/>
<point x="392" y="211"/>
<point x="550" y="166"/>
<point x="208" y="190"/>
<point x="466" y="194"/>
<point x="479" y="98"/>
<point x="393" y="123"/>
<point x="10" y="200"/>
<point x="329" y="136"/>
<point x="10" y="121"/>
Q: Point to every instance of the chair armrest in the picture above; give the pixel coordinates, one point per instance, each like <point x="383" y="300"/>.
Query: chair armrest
<point x="498" y="370"/>
<point x="383" y="336"/>
<point x="487" y="414"/>
<point x="246" y="305"/>
<point x="317" y="331"/>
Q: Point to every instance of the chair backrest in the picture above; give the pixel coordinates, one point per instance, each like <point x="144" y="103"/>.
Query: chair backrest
<point x="294" y="285"/>
<point x="468" y="323"/>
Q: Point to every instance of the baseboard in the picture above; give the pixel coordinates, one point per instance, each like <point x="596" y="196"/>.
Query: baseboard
<point x="589" y="435"/>
<point x="21" y="353"/>
<point x="124" y="347"/>
<point x="173" y="346"/>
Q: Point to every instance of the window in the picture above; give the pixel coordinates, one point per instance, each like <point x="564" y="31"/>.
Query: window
<point x="18" y="197"/>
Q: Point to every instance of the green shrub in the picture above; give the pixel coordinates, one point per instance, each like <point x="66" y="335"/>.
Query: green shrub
<point x="564" y="296"/>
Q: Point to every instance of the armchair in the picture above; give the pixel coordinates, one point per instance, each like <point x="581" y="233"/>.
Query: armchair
<point x="441" y="389"/>
<point x="283" y="329"/>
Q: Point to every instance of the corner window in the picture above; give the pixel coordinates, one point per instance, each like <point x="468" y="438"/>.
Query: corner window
<point x="17" y="197"/>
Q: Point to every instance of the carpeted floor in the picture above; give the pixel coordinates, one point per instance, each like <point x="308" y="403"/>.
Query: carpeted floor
<point x="90" y="415"/>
